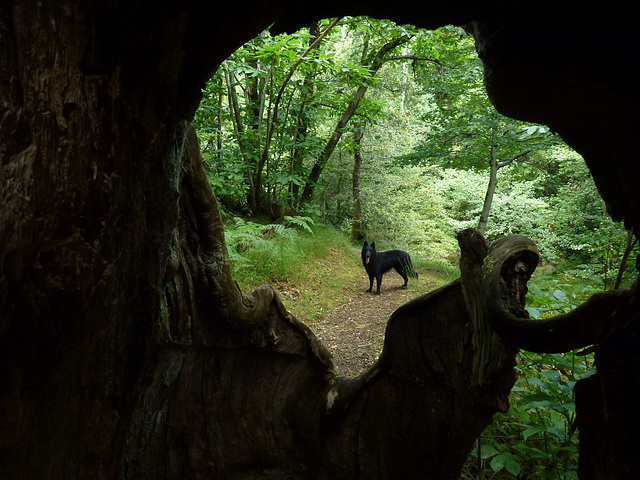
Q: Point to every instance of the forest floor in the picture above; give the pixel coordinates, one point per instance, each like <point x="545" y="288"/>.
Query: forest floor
<point x="350" y="321"/>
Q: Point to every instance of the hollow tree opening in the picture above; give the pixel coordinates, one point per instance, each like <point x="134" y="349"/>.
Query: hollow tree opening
<point x="119" y="324"/>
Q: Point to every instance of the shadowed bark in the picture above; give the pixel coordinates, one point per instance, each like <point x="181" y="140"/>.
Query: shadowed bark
<point x="126" y="349"/>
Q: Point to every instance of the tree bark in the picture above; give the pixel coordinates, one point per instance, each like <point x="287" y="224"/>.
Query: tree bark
<point x="173" y="372"/>
<point x="357" y="233"/>
<point x="126" y="349"/>
<point x="494" y="166"/>
<point x="491" y="189"/>
<point x="253" y="195"/>
<point x="301" y="121"/>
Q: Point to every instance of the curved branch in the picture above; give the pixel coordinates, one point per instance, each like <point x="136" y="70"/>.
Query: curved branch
<point x="274" y="119"/>
<point x="506" y="161"/>
<point x="507" y="268"/>
<point x="318" y="167"/>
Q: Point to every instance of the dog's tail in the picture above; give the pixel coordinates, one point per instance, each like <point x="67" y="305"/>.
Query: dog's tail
<point x="408" y="267"/>
<point x="412" y="272"/>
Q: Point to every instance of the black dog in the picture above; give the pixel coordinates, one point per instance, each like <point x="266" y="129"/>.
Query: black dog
<point x="378" y="263"/>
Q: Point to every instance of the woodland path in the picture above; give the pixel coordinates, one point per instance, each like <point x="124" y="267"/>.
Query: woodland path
<point x="354" y="331"/>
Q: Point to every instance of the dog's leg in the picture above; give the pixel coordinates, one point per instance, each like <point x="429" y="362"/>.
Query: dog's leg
<point x="378" y="282"/>
<point x="406" y="280"/>
<point x="370" y="283"/>
<point x="402" y="271"/>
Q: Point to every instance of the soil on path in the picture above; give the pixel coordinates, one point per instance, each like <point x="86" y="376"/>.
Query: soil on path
<point x="354" y="331"/>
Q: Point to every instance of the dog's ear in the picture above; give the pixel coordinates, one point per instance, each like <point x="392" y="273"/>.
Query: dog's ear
<point x="373" y="245"/>
<point x="365" y="243"/>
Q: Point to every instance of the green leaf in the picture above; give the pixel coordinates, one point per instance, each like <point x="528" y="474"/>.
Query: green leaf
<point x="506" y="460"/>
<point x="487" y="451"/>
<point x="538" y="404"/>
<point x="497" y="463"/>
<point x="534" y="312"/>
<point x="533" y="431"/>
<point x="536" y="381"/>
<point x="552" y="375"/>
<point x="513" y="467"/>
<point x="560" y="295"/>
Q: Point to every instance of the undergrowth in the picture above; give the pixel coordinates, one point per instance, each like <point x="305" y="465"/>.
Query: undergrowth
<point x="269" y="253"/>
<point x="312" y="267"/>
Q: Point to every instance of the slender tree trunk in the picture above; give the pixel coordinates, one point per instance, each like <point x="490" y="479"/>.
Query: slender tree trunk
<point x="219" y="132"/>
<point x="238" y="128"/>
<point x="255" y="93"/>
<point x="318" y="167"/>
<point x="296" y="163"/>
<point x="273" y="117"/>
<point x="491" y="188"/>
<point x="301" y="123"/>
<point x="631" y="242"/>
<point x="357" y="233"/>
<point x="263" y="159"/>
<point x="405" y="80"/>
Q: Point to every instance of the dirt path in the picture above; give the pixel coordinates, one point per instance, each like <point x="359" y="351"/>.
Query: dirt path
<point x="354" y="331"/>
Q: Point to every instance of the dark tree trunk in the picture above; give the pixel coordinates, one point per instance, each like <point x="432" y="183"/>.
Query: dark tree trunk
<point x="126" y="349"/>
<point x="98" y="305"/>
<point x="607" y="405"/>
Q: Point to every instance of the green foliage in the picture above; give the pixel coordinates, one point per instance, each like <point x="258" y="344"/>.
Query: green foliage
<point x="403" y="211"/>
<point x="537" y="438"/>
<point x="555" y="293"/>
<point x="257" y="72"/>
<point x="227" y="181"/>
<point x="516" y="210"/>
<point x="268" y="113"/>
<point x="464" y="124"/>
<point x="271" y="253"/>
<point x="538" y="433"/>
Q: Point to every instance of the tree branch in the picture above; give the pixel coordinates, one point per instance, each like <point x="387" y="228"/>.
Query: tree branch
<point x="274" y="119"/>
<point x="316" y="171"/>
<point x="415" y="58"/>
<point x="507" y="161"/>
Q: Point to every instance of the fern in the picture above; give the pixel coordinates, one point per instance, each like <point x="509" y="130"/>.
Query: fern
<point x="302" y="222"/>
<point x="277" y="228"/>
<point x="265" y="252"/>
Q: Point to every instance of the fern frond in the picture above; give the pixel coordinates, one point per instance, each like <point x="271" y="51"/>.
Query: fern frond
<point x="302" y="222"/>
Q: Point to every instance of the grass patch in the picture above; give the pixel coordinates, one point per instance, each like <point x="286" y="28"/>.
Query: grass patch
<point x="442" y="269"/>
<point x="329" y="281"/>
<point x="312" y="272"/>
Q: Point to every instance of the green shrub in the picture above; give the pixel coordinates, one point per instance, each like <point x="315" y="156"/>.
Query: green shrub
<point x="401" y="209"/>
<point x="272" y="253"/>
